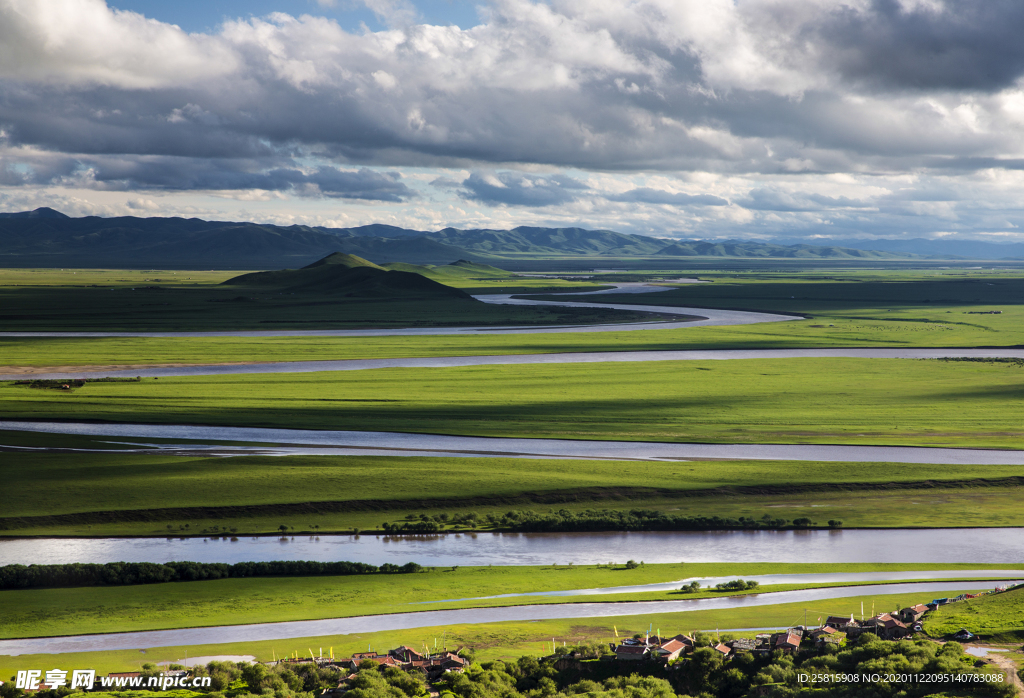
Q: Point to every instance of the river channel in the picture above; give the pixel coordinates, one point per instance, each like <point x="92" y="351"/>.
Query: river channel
<point x="300" y="441"/>
<point x="523" y="359"/>
<point x="965" y="545"/>
<point x="916" y="592"/>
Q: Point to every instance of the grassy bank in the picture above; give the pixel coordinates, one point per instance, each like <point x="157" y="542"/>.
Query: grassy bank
<point x="998" y="618"/>
<point x="864" y="309"/>
<point x="491" y="641"/>
<point x="876" y="327"/>
<point x="46" y="612"/>
<point x="154" y="494"/>
<point x="860" y="401"/>
<point x="84" y="300"/>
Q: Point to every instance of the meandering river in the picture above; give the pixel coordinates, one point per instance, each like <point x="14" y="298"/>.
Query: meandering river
<point x="915" y="592"/>
<point x="299" y="441"/>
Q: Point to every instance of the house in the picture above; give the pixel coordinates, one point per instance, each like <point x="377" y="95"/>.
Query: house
<point x="788" y="641"/>
<point x="633" y="652"/>
<point x="821" y="635"/>
<point x="913" y="614"/>
<point x="839" y="622"/>
<point x="723" y="650"/>
<point x="671" y="649"/>
<point x="378" y="659"/>
<point x="886" y="627"/>
<point x="405" y="654"/>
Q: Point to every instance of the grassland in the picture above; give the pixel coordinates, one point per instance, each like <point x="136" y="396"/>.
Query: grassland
<point x="891" y="310"/>
<point x="79" y="611"/>
<point x="507" y="640"/>
<point x="48" y="300"/>
<point x="854" y="401"/>
<point x="998" y="618"/>
<point x="155" y="494"/>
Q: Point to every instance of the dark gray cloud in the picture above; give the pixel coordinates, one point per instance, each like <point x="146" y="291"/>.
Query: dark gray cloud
<point x="965" y="45"/>
<point x="185" y="174"/>
<point x="515" y="189"/>
<point x="646" y="195"/>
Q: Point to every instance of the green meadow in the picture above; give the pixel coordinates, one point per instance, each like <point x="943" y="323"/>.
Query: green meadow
<point x="863" y="309"/>
<point x="852" y="401"/>
<point x="151" y="493"/>
<point x="998" y="618"/>
<point x="78" y="611"/>
<point x="506" y="640"/>
<point x="82" y="300"/>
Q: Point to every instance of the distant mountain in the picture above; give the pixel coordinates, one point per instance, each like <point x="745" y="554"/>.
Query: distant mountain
<point x="38" y="213"/>
<point x="746" y="248"/>
<point x="59" y="241"/>
<point x="940" y="248"/>
<point x="48" y="238"/>
<point x="559" y="241"/>
<point x="348" y="276"/>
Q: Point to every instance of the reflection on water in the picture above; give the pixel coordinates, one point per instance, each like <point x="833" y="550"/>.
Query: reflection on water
<point x="397" y="443"/>
<point x="969" y="545"/>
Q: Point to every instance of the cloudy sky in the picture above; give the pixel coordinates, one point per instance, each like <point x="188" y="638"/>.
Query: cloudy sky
<point x="677" y="118"/>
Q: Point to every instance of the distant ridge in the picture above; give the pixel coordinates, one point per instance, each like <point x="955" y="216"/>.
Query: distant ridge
<point x="48" y="238"/>
<point x="744" y="248"/>
<point x="940" y="248"/>
<point x="43" y="212"/>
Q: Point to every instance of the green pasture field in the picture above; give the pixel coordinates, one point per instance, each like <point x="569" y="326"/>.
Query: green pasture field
<point x="508" y="640"/>
<point x="881" y="308"/>
<point x="80" y="611"/>
<point x="48" y="300"/>
<point x="158" y="494"/>
<point x="998" y="618"/>
<point x="853" y="401"/>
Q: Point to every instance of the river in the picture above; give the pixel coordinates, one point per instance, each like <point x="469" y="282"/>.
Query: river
<point x="298" y="441"/>
<point x="696" y="317"/>
<point x="915" y="592"/>
<point x="943" y="546"/>
<point x="524" y="359"/>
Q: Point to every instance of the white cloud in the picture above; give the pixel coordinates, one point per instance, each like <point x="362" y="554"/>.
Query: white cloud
<point x="559" y="105"/>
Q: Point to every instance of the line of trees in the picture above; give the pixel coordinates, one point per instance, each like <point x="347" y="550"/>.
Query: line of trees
<point x="128" y="573"/>
<point x="592" y="520"/>
<point x="632" y="520"/>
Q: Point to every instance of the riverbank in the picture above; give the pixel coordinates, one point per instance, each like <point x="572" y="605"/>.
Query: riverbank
<point x="240" y="601"/>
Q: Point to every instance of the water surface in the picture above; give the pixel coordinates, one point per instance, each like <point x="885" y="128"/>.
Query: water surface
<point x="967" y="545"/>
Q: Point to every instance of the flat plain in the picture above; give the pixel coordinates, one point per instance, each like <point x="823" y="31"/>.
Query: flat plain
<point x="122" y="491"/>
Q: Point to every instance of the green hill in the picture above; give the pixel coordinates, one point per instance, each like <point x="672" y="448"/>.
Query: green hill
<point x="343" y="259"/>
<point x="349" y="276"/>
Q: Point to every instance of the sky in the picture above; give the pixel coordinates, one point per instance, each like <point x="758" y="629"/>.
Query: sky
<point x="704" y="119"/>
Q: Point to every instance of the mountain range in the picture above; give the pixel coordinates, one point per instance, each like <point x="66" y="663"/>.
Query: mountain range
<point x="940" y="247"/>
<point x="47" y="238"/>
